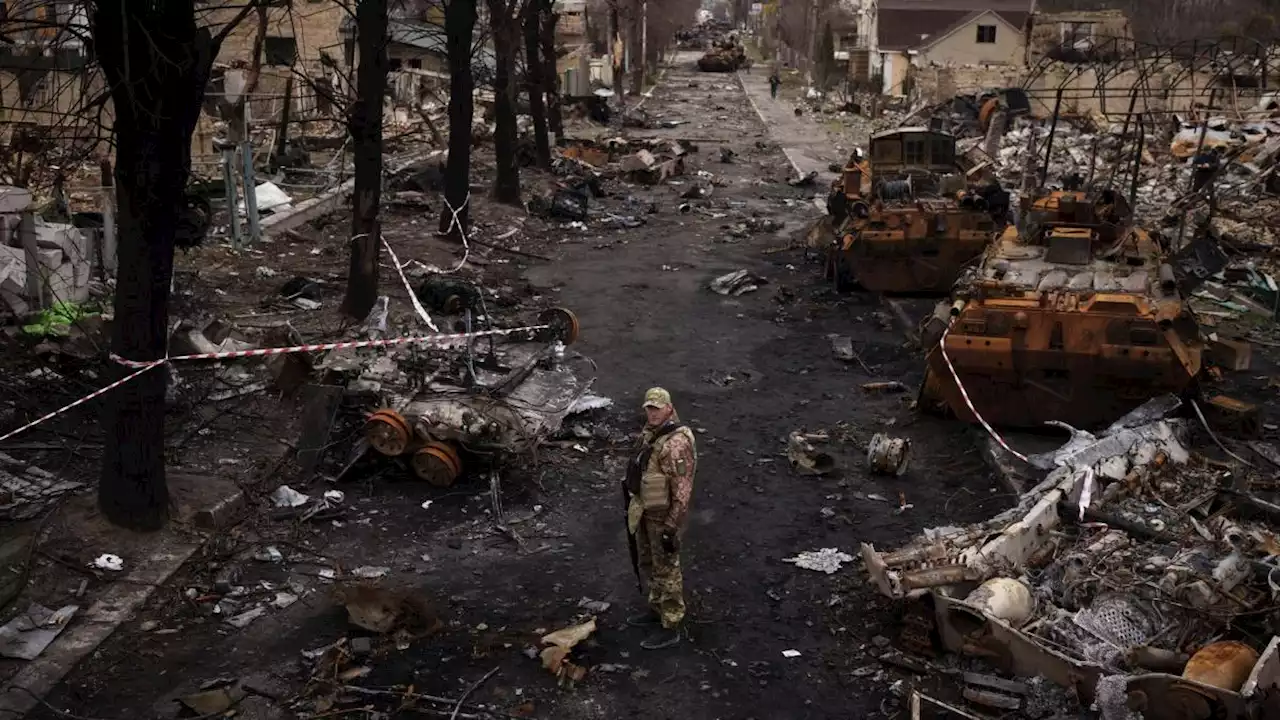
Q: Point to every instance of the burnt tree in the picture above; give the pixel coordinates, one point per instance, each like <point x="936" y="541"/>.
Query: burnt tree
<point x="533" y="77"/>
<point x="459" y="25"/>
<point x="504" y="28"/>
<point x="364" y="124"/>
<point x="550" y="72"/>
<point x="157" y="61"/>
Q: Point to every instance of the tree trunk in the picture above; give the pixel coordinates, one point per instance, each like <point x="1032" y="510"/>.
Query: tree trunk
<point x="364" y="123"/>
<point x="460" y="24"/>
<point x="551" y="71"/>
<point x="533" y="80"/>
<point x="157" y="62"/>
<point x="505" y="30"/>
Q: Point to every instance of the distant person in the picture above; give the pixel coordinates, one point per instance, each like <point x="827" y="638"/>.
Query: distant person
<point x="774" y="82"/>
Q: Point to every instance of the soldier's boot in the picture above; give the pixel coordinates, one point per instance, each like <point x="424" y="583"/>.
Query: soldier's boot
<point x="644" y="619"/>
<point x="665" y="638"/>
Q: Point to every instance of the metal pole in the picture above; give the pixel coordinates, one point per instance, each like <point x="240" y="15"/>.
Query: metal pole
<point x="229" y="182"/>
<point x="1204" y="130"/>
<point x="1124" y="132"/>
<point x="1053" y="128"/>
<point x="107" y="257"/>
<point x="644" y="41"/>
<point x="250" y="192"/>
<point x="1137" y="164"/>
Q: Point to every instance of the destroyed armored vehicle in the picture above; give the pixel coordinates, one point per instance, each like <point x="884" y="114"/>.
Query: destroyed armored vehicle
<point x="495" y="397"/>
<point x="1075" y="318"/>
<point x="1133" y="575"/>
<point x="906" y="221"/>
<point x="724" y="57"/>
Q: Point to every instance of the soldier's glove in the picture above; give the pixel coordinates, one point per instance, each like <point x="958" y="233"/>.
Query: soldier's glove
<point x="670" y="541"/>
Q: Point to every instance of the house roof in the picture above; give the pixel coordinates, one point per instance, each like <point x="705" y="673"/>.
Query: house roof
<point x="915" y="28"/>
<point x="423" y="36"/>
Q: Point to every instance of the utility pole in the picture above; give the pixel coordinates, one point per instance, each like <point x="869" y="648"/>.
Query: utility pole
<point x="644" y="42"/>
<point x="813" y="41"/>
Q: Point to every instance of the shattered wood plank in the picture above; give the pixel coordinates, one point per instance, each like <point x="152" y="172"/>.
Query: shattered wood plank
<point x="991" y="699"/>
<point x="991" y="681"/>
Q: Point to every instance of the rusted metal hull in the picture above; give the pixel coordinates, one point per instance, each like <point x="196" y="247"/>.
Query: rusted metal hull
<point x="1078" y="367"/>
<point x="921" y="247"/>
<point x="925" y="266"/>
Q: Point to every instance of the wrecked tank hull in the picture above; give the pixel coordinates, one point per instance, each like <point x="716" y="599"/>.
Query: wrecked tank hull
<point x="920" y="248"/>
<point x="1084" y="364"/>
<point x="1046" y="329"/>
<point x="503" y="401"/>
<point x="723" y="60"/>
<point x="906" y="221"/>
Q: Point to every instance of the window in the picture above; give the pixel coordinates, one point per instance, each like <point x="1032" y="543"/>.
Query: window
<point x="913" y="151"/>
<point x="1077" y="34"/>
<point x="986" y="33"/>
<point x="280" y="51"/>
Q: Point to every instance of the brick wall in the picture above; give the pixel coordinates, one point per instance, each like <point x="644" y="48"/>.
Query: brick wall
<point x="935" y="84"/>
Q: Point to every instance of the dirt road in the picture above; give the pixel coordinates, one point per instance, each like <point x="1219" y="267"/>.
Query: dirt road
<point x="744" y="372"/>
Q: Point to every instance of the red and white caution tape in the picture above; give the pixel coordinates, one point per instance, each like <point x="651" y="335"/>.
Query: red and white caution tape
<point x="455" y="221"/>
<point x="143" y="368"/>
<point x="413" y="297"/>
<point x="440" y="339"/>
<point x="942" y="348"/>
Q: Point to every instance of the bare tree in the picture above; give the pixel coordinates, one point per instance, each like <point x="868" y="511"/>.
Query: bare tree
<point x="460" y="23"/>
<point x="550" y="73"/>
<point x="534" y="68"/>
<point x="157" y="60"/>
<point x="364" y="123"/>
<point x="504" y="24"/>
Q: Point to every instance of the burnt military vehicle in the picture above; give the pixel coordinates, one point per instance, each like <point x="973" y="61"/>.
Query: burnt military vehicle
<point x="1078" y="318"/>
<point x="905" y="220"/>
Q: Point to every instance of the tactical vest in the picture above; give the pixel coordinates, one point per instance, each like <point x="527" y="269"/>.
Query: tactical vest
<point x="655" y="486"/>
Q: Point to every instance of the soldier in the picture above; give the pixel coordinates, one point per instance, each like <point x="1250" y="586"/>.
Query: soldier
<point x="657" y="490"/>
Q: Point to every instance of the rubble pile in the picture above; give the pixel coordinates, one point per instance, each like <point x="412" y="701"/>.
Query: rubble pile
<point x="1132" y="560"/>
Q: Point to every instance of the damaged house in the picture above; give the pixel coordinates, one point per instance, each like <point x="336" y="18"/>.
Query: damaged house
<point x="886" y="40"/>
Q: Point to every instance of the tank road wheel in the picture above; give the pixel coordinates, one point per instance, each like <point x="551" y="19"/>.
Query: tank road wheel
<point x="437" y="463"/>
<point x="563" y="325"/>
<point x="388" y="432"/>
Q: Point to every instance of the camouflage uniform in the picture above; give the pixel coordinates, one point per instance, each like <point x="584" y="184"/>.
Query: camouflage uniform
<point x="669" y="472"/>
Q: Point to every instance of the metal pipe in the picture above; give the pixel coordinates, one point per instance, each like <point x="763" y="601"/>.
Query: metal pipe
<point x="229" y="189"/>
<point x="1204" y="130"/>
<point x="1137" y="164"/>
<point x="250" y="193"/>
<point x="1053" y="128"/>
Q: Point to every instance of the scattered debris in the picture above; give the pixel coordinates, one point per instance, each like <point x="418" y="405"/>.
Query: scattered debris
<point x="561" y="642"/>
<point x="888" y="455"/>
<point x="805" y="457"/>
<point x="739" y="282"/>
<point x="112" y="563"/>
<point x="381" y="610"/>
<point x="826" y="560"/>
<point x="286" y="497"/>
<point x="27" y="635"/>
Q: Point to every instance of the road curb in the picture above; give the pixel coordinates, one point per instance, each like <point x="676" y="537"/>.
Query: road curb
<point x="785" y="152"/>
<point x="116" y="605"/>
